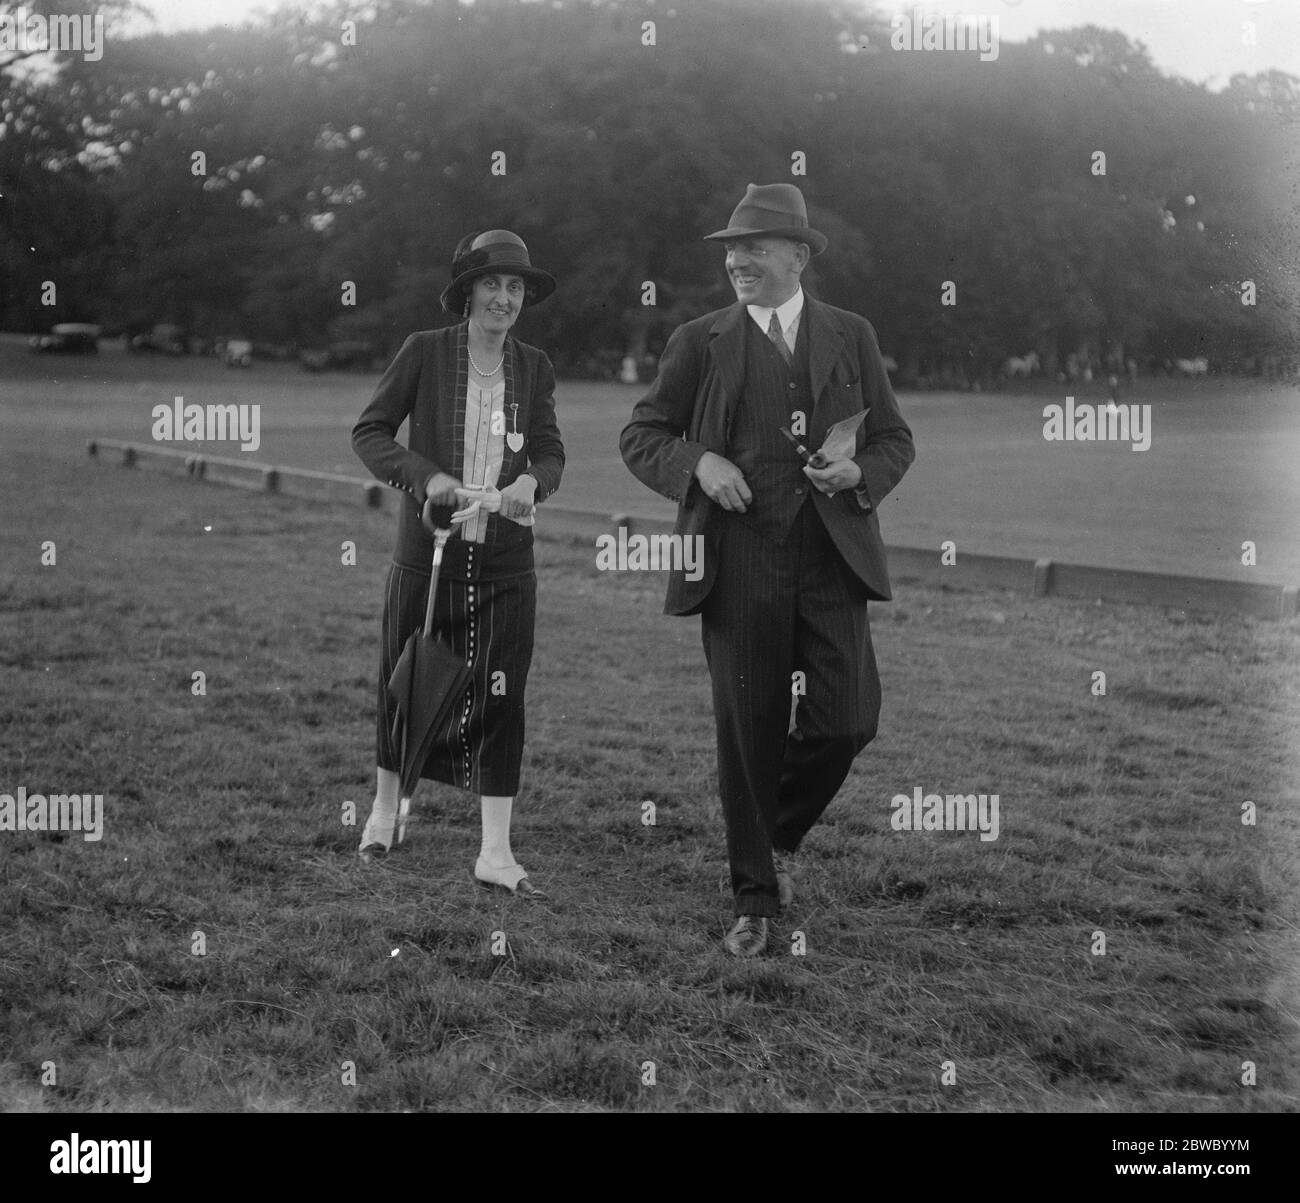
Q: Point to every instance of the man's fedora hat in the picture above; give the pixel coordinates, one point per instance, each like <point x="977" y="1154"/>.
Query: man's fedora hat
<point x="771" y="211"/>
<point x="494" y="252"/>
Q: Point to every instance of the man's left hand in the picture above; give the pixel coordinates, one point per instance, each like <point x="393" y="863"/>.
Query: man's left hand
<point x="838" y="475"/>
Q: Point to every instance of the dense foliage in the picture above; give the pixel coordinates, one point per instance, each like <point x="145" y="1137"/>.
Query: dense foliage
<point x="327" y="162"/>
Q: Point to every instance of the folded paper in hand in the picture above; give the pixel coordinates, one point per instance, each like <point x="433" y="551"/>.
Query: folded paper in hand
<point x="842" y="438"/>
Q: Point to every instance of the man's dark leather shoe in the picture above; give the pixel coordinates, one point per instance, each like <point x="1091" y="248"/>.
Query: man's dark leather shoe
<point x="748" y="938"/>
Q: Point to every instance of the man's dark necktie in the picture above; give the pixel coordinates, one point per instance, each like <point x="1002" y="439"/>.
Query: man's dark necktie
<point x="778" y="339"/>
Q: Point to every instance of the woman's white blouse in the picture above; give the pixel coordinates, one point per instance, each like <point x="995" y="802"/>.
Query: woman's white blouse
<point x="485" y="441"/>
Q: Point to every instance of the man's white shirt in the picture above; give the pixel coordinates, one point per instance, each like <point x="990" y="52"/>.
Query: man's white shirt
<point x="788" y="314"/>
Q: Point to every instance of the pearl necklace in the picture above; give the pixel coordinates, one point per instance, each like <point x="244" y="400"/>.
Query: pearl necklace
<point x="479" y="370"/>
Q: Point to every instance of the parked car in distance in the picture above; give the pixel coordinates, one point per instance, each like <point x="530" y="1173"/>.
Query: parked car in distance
<point x="238" y="353"/>
<point x="164" y="337"/>
<point x="73" y="337"/>
<point x="352" y="353"/>
<point x="274" y="352"/>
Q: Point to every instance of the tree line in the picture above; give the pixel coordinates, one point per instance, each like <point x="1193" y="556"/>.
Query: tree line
<point x="1067" y="198"/>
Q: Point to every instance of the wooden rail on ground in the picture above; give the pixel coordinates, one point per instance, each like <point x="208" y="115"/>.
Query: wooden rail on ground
<point x="1038" y="578"/>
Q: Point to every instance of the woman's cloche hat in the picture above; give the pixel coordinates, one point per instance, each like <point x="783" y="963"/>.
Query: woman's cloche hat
<point x="771" y="211"/>
<point x="493" y="252"/>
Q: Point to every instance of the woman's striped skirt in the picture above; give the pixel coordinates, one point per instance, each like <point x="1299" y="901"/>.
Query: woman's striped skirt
<point x="489" y="624"/>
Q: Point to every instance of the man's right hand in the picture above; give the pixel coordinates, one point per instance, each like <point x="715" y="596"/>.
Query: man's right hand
<point x="723" y="482"/>
<point x="441" y="489"/>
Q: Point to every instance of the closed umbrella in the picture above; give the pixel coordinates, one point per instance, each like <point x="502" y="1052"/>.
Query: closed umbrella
<point x="428" y="680"/>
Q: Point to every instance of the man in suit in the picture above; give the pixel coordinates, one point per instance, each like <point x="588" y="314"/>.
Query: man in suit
<point x="791" y="554"/>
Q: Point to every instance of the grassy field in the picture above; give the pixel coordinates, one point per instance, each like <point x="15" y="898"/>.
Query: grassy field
<point x="1119" y="814"/>
<point x="1220" y="469"/>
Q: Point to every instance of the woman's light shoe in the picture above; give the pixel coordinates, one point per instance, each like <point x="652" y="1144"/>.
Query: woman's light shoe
<point x="373" y="847"/>
<point x="511" y="878"/>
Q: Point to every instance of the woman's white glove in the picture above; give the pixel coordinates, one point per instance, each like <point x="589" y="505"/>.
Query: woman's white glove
<point x="489" y="501"/>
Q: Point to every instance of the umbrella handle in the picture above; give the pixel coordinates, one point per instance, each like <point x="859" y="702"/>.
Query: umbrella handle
<point x="431" y="520"/>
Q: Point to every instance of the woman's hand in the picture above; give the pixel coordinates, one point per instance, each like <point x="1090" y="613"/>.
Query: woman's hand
<point x="441" y="489"/>
<point x="517" y="499"/>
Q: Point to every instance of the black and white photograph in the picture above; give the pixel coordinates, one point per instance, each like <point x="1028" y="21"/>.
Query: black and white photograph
<point x="692" y="557"/>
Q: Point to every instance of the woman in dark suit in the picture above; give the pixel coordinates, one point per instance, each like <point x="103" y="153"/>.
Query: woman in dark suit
<point x="482" y="435"/>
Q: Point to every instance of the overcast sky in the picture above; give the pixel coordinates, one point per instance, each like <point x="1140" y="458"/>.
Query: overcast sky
<point x="1203" y="40"/>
